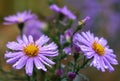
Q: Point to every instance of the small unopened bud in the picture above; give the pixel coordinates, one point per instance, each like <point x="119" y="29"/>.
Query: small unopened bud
<point x="68" y="35"/>
<point x="71" y="75"/>
<point x="59" y="72"/>
<point x="84" y="20"/>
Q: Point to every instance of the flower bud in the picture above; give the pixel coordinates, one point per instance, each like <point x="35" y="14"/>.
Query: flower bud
<point x="71" y="75"/>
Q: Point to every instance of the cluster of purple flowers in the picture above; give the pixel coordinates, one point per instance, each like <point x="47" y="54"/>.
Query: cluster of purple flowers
<point x="33" y="48"/>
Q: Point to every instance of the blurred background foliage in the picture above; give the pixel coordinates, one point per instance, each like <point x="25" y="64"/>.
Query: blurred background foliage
<point x="105" y="22"/>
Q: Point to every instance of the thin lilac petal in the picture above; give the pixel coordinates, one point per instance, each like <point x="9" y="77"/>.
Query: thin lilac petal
<point x="85" y="36"/>
<point x="110" y="68"/>
<point x="49" y="47"/>
<point x="29" y="66"/>
<point x="38" y="64"/>
<point x="82" y="40"/>
<point x="14" y="46"/>
<point x="102" y="67"/>
<point x="54" y="8"/>
<point x="85" y="48"/>
<point x="49" y="53"/>
<point x="25" y="39"/>
<point x="20" y="63"/>
<point x="89" y="55"/>
<point x="111" y="60"/>
<point x="10" y="54"/>
<point x="42" y="40"/>
<point x="102" y="41"/>
<point x="46" y="59"/>
<point x="44" y="62"/>
<point x="14" y="59"/>
<point x="30" y="39"/>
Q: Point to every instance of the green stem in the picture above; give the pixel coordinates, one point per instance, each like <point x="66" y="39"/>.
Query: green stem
<point x="34" y="77"/>
<point x="21" y="26"/>
<point x="83" y="65"/>
<point x="28" y="77"/>
<point x="76" y="56"/>
<point x="42" y="77"/>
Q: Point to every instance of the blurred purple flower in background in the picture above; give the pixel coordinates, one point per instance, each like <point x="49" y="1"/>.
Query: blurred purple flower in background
<point x="28" y="53"/>
<point x="64" y="11"/>
<point x="96" y="48"/>
<point x="34" y="28"/>
<point x="20" y="17"/>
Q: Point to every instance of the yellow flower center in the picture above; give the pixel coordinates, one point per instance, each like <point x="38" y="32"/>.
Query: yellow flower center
<point x="31" y="50"/>
<point x="98" y="48"/>
<point x="20" y="19"/>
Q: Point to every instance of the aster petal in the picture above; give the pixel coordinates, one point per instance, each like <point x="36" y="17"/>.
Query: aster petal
<point x="44" y="62"/>
<point x="86" y="36"/>
<point x="111" y="60"/>
<point x="46" y="59"/>
<point x="38" y="64"/>
<point x="50" y="47"/>
<point x="85" y="48"/>
<point x="25" y="39"/>
<point x="110" y="68"/>
<point x="67" y="13"/>
<point x="102" y="65"/>
<point x="49" y="53"/>
<point x="82" y="40"/>
<point x="10" y="54"/>
<point x="89" y="55"/>
<point x="30" y="39"/>
<point x="90" y="35"/>
<point x="20" y="63"/>
<point x="14" y="46"/>
<point x="55" y="8"/>
<point x="42" y="40"/>
<point x="19" y="40"/>
<point x="14" y="59"/>
<point x="102" y="41"/>
<point x="29" y="66"/>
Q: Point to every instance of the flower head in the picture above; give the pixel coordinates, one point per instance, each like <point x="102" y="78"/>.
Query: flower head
<point x="20" y="17"/>
<point x="96" y="48"/>
<point x="64" y="11"/>
<point x="34" y="28"/>
<point x="27" y="52"/>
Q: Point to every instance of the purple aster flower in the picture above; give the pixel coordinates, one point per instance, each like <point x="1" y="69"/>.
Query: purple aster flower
<point x="28" y="53"/>
<point x="96" y="48"/>
<point x="63" y="11"/>
<point x="71" y="75"/>
<point x="20" y="17"/>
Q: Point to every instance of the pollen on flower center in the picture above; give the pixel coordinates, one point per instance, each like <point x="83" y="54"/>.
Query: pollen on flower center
<point x="98" y="48"/>
<point x="31" y="50"/>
